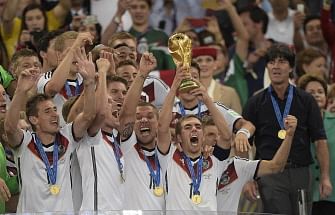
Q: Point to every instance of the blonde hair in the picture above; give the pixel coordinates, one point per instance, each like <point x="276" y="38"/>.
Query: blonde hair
<point x="60" y="41"/>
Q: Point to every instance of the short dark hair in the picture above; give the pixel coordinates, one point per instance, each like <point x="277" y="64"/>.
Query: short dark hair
<point x="181" y="120"/>
<point x="115" y="78"/>
<point x="207" y="120"/>
<point x="307" y="78"/>
<point x="257" y="15"/>
<point x="148" y="104"/>
<point x="308" y="19"/>
<point x="196" y="66"/>
<point x="31" y="106"/>
<point x="280" y="50"/>
<point x="120" y="36"/>
<point x="44" y="43"/>
<point x="126" y="63"/>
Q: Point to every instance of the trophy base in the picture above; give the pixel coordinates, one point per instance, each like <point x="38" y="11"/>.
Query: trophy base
<point x="187" y="85"/>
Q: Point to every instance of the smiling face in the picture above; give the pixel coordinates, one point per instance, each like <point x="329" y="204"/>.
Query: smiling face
<point x="34" y="20"/>
<point x="207" y="66"/>
<point x="191" y="136"/>
<point x="187" y="96"/>
<point x="47" y="118"/>
<point x="146" y="124"/>
<point x="127" y="72"/>
<point x="139" y="11"/>
<point x="313" y="32"/>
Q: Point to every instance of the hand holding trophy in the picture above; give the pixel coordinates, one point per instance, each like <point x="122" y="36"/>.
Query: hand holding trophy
<point x="180" y="48"/>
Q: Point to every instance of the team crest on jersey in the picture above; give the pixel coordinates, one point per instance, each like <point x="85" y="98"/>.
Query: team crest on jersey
<point x="228" y="176"/>
<point x="178" y="158"/>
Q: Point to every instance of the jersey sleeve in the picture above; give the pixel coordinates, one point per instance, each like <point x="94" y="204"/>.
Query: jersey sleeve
<point x="42" y="82"/>
<point x="246" y="169"/>
<point x="230" y="115"/>
<point x="27" y="137"/>
<point x="166" y="159"/>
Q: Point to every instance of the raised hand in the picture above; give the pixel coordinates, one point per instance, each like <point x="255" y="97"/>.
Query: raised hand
<point x="103" y="64"/>
<point x="27" y="79"/>
<point x="181" y="74"/>
<point x="290" y="124"/>
<point x="201" y="92"/>
<point x="85" y="65"/>
<point x="147" y="63"/>
<point x="122" y="6"/>
<point x="82" y="39"/>
<point x="241" y="142"/>
<point x="108" y="56"/>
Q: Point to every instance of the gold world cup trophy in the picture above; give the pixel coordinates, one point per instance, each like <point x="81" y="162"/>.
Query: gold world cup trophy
<point x="180" y="48"/>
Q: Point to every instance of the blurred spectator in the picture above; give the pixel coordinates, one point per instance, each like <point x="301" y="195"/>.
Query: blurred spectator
<point x="317" y="87"/>
<point x="35" y="19"/>
<point x="311" y="61"/>
<point x="328" y="29"/>
<point x="163" y="16"/>
<point x="91" y="24"/>
<point x="331" y="99"/>
<point x="283" y="21"/>
<point x="205" y="57"/>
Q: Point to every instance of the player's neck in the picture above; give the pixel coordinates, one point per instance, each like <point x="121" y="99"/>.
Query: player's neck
<point x="280" y="89"/>
<point x="148" y="146"/>
<point x="107" y="129"/>
<point x="46" y="138"/>
<point x="193" y="155"/>
<point x="189" y="104"/>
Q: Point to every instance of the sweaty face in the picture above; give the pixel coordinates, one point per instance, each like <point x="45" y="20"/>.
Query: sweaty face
<point x="127" y="72"/>
<point x="317" y="91"/>
<point x="47" y="119"/>
<point x="191" y="136"/>
<point x="146" y="124"/>
<point x="35" y="20"/>
<point x="139" y="11"/>
<point x="279" y="70"/>
<point x="313" y="32"/>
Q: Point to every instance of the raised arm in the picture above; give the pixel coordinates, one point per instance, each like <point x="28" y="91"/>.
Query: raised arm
<point x="9" y="13"/>
<point x="60" y="75"/>
<point x="127" y="114"/>
<point x="165" y="114"/>
<point x="219" y="120"/>
<point x="61" y="10"/>
<point x="26" y="81"/>
<point x="115" y="22"/>
<point x="245" y="130"/>
<point x="87" y="70"/>
<point x="278" y="162"/>
<point x="103" y="65"/>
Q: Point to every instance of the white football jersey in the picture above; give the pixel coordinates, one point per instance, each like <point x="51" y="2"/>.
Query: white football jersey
<point x="237" y="171"/>
<point x="179" y="190"/>
<point x="103" y="188"/>
<point x="139" y="185"/>
<point x="154" y="91"/>
<point x="35" y="195"/>
<point x="61" y="97"/>
<point x="230" y="115"/>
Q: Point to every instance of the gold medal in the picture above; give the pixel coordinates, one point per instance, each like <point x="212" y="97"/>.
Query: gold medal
<point x="196" y="199"/>
<point x="281" y="134"/>
<point x="158" y="191"/>
<point x="54" y="189"/>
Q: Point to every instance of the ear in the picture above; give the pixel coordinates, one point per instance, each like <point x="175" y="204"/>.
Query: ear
<point x="305" y="67"/>
<point x="33" y="120"/>
<point x="43" y="55"/>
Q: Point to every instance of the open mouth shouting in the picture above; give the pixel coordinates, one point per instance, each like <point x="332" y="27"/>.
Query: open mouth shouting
<point x="194" y="139"/>
<point x="3" y="108"/>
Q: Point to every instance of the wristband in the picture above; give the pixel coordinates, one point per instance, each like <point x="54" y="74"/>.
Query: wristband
<point x="244" y="131"/>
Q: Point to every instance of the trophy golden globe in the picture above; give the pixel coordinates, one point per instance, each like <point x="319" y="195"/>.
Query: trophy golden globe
<point x="180" y="48"/>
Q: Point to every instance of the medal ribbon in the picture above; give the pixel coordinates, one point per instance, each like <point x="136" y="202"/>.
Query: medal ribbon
<point x="276" y="108"/>
<point x="196" y="180"/>
<point x="183" y="112"/>
<point x="155" y="176"/>
<point x="117" y="154"/>
<point x="51" y="171"/>
<point x="68" y="89"/>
